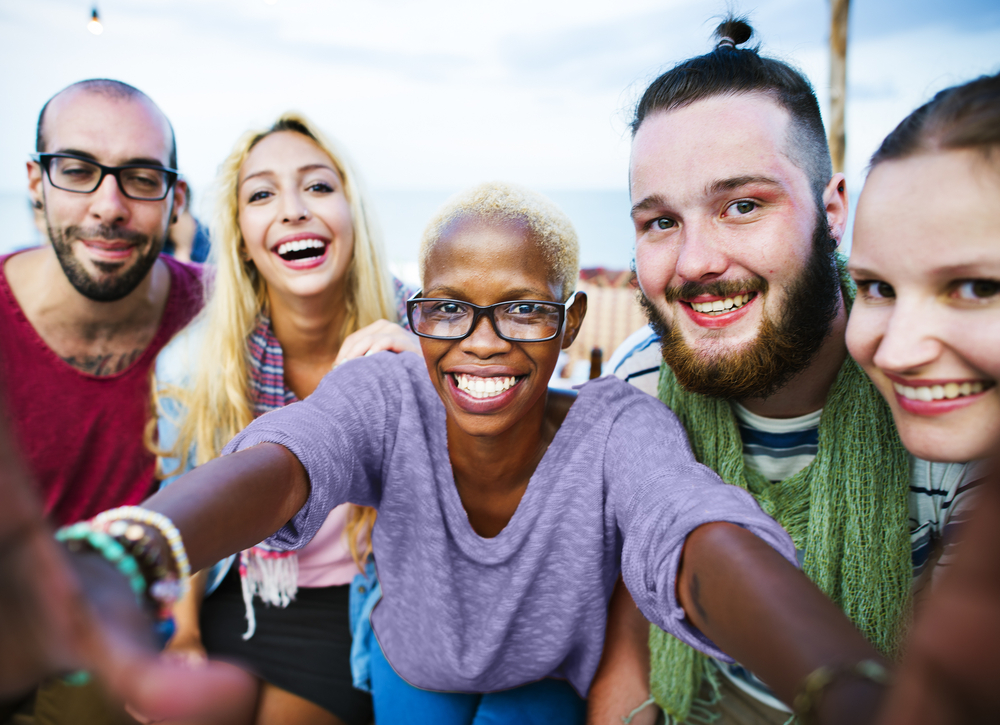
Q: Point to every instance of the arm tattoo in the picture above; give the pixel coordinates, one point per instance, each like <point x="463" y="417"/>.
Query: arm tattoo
<point x="101" y="365"/>
<point x="695" y="597"/>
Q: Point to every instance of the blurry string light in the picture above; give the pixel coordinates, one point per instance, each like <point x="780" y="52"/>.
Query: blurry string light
<point x="94" y="26"/>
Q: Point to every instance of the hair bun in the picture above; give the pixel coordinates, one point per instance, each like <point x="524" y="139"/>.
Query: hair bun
<point x="733" y="31"/>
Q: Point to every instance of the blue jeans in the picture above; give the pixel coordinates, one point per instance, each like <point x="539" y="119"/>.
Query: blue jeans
<point x="546" y="702"/>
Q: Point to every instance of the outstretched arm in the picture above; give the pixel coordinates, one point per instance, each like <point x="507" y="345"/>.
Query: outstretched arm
<point x="768" y="616"/>
<point x="234" y="502"/>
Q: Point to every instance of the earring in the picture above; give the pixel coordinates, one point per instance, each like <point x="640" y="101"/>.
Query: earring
<point x="37" y="204"/>
<point x="173" y="219"/>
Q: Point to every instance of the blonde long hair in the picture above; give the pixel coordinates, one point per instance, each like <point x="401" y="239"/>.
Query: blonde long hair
<point x="217" y="401"/>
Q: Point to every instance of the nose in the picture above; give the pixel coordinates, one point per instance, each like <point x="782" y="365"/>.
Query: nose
<point x="911" y="339"/>
<point x="700" y="257"/>
<point x="484" y="341"/>
<point x="108" y="204"/>
<point x="293" y="208"/>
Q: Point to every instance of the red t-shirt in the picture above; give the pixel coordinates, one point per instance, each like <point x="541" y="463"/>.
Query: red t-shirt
<point x="81" y="434"/>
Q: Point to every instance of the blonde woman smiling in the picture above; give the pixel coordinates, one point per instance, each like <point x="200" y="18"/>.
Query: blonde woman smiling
<point x="300" y="285"/>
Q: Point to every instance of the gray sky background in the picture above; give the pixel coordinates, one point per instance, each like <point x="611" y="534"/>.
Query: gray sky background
<point x="437" y="95"/>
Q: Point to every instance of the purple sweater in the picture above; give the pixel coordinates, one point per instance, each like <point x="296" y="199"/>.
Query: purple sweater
<point x="617" y="488"/>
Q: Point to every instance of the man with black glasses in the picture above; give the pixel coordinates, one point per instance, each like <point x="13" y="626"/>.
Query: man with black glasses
<point x="82" y="319"/>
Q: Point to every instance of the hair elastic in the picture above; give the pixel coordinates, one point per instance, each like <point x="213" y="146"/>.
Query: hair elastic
<point x="726" y="41"/>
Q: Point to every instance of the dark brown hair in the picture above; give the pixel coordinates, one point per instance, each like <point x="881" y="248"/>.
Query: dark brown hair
<point x="960" y="117"/>
<point x="729" y="70"/>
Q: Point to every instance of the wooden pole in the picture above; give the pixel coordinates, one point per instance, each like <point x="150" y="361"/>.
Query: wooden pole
<point x="838" y="80"/>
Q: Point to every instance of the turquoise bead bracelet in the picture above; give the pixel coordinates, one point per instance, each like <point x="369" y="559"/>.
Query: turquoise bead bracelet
<point x="112" y="552"/>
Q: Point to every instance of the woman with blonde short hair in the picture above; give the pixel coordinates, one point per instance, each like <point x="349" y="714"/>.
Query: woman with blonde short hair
<point x="300" y="284"/>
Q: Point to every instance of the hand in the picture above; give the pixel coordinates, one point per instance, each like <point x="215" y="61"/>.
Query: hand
<point x="376" y="337"/>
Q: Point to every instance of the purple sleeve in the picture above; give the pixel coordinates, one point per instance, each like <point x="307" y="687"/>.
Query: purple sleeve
<point x="339" y="435"/>
<point x="663" y="494"/>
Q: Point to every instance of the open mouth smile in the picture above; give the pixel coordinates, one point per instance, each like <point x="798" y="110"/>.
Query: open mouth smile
<point x="721" y="307"/>
<point x="480" y="388"/>
<point x="302" y="250"/>
<point x="947" y="391"/>
<point x="936" y="397"/>
<point x="706" y="311"/>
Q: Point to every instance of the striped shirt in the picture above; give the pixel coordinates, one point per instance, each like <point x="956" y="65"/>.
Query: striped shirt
<point x="779" y="448"/>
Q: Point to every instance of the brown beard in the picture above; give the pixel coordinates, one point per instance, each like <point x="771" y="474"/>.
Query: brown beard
<point x="785" y="344"/>
<point x="119" y="282"/>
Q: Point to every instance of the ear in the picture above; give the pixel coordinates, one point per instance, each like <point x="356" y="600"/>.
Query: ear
<point x="574" y="318"/>
<point x="835" y="205"/>
<point x="180" y="199"/>
<point x="35" y="185"/>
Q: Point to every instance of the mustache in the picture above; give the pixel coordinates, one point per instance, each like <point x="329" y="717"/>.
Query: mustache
<point x="718" y="288"/>
<point x="107" y="233"/>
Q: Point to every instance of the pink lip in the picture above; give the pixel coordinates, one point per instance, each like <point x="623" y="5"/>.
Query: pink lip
<point x="933" y="407"/>
<point x="480" y="406"/>
<point x="109" y="251"/>
<point x="715" y="321"/>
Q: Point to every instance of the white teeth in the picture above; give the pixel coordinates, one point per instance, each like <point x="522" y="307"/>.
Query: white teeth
<point x="730" y="303"/>
<point x="938" y="392"/>
<point x="299" y="245"/>
<point x="479" y="387"/>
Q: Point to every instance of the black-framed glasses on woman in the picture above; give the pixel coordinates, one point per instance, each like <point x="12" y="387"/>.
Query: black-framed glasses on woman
<point x="82" y="176"/>
<point x="514" y="320"/>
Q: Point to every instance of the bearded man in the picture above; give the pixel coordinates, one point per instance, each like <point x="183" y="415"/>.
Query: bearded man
<point x="738" y="216"/>
<point x="82" y="319"/>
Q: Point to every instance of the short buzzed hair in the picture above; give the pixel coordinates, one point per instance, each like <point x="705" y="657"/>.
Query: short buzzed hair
<point x="501" y="203"/>
<point x="112" y="89"/>
<point x="729" y="70"/>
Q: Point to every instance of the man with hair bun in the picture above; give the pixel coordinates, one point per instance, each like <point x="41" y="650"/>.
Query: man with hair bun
<point x="738" y="215"/>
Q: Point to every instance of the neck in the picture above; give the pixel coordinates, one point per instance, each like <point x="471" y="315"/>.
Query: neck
<point x="806" y="392"/>
<point x="502" y="463"/>
<point x="49" y="299"/>
<point x="310" y="330"/>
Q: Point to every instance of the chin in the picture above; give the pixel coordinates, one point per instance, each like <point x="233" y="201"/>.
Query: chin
<point x="945" y="443"/>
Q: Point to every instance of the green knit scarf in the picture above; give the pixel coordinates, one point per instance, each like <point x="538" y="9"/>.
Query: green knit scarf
<point x="847" y="510"/>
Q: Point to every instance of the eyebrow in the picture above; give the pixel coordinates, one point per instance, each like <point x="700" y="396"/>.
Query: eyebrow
<point x="301" y="169"/>
<point x="650" y="202"/>
<point x="737" y="182"/>
<point x="141" y="160"/>
<point x="655" y="201"/>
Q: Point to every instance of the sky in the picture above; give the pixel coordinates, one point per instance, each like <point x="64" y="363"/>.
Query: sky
<point x="430" y="97"/>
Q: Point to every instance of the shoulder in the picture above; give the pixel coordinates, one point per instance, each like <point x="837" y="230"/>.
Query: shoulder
<point x="627" y="408"/>
<point x="391" y="373"/>
<point x="187" y="285"/>
<point x="637" y="360"/>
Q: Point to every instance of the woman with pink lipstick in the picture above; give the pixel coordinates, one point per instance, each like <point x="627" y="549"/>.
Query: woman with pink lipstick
<point x="300" y="284"/>
<point x="926" y="328"/>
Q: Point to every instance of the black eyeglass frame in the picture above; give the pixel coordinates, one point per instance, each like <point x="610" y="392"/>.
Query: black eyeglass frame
<point x="489" y="312"/>
<point x="44" y="160"/>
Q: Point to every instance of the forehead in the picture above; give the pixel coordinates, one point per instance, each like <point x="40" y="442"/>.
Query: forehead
<point x="485" y="259"/>
<point x="284" y="150"/>
<point x="929" y="213"/>
<point x="114" y="130"/>
<point x="685" y="150"/>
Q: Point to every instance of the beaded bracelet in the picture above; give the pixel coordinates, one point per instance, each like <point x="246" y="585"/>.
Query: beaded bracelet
<point x="166" y="528"/>
<point x="807" y="700"/>
<point x="154" y="561"/>
<point x="83" y="534"/>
